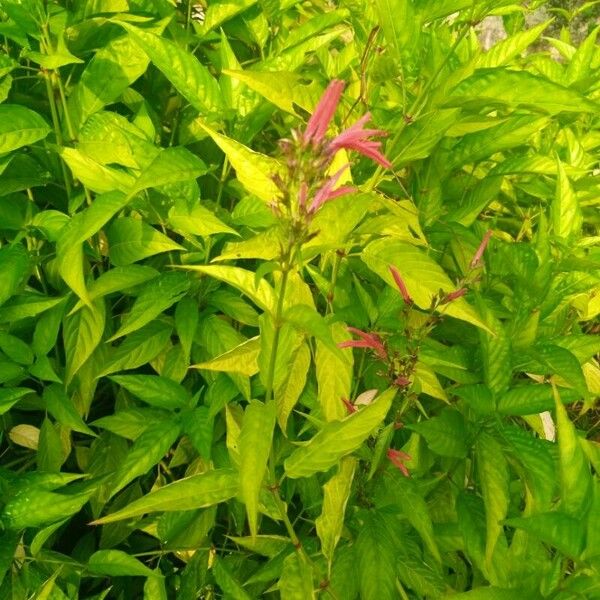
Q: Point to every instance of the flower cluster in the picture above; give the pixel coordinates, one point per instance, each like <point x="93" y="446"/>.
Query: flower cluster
<point x="308" y="184"/>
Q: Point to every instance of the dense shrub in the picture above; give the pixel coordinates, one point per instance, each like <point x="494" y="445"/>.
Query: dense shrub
<point x="257" y="345"/>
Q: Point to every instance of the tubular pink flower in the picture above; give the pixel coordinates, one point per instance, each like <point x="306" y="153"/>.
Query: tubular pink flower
<point x="454" y="295"/>
<point x="479" y="254"/>
<point x="356" y="138"/>
<point x="397" y="458"/>
<point x="349" y="406"/>
<point x="401" y="285"/>
<point x="326" y="193"/>
<point x="320" y="119"/>
<point x="402" y="381"/>
<point x="302" y="195"/>
<point x="368" y="340"/>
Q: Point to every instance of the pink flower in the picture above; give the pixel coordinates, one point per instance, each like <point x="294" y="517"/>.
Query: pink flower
<point x="397" y="458"/>
<point x="454" y="295"/>
<point x="401" y="285"/>
<point x="479" y="254"/>
<point x="402" y="381"/>
<point x="356" y="138"/>
<point x="349" y="406"/>
<point x="302" y="195"/>
<point x="368" y="340"/>
<point x="326" y="193"/>
<point x="320" y="119"/>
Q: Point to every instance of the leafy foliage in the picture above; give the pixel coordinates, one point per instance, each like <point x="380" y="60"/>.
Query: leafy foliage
<point x="240" y="358"/>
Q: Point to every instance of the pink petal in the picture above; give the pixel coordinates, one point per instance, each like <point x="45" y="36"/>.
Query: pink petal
<point x="320" y="119"/>
<point x="356" y="138"/>
<point x="454" y="295"/>
<point x="327" y="192"/>
<point x="349" y="406"/>
<point x="401" y="285"/>
<point x="479" y="254"/>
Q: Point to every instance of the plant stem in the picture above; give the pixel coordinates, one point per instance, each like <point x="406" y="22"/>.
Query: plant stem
<point x="276" y="334"/>
<point x="57" y="131"/>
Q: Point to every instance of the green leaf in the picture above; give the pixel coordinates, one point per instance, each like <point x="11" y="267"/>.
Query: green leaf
<point x="197" y="491"/>
<point x="575" y="476"/>
<point x="171" y="165"/>
<point x="566" y="213"/>
<point x="156" y="296"/>
<point x="506" y="50"/>
<point x="115" y="563"/>
<point x="338" y="439"/>
<point x="265" y="545"/>
<point x="198" y="426"/>
<point x="10" y="396"/>
<point x="334" y="374"/>
<point x="110" y="72"/>
<point x="228" y="583"/>
<point x="255" y="447"/>
<point x="415" y="509"/>
<point x="197" y="221"/>
<point x="34" y="507"/>
<point x="93" y="175"/>
<point x="556" y="360"/>
<point x="336" y="493"/>
<point x="581" y="63"/>
<point x="538" y="461"/>
<point x="242" y="359"/>
<point x="493" y="475"/>
<point x="284" y="89"/>
<point x="496" y="352"/>
<point x="27" y="305"/>
<point x="254" y="170"/>
<point x="519" y="88"/>
<point x="296" y="582"/>
<point x="147" y="450"/>
<point x="62" y="408"/>
<point x="532" y="399"/>
<point x="49" y="456"/>
<point x="444" y="434"/>
<point x="262" y="294"/>
<point x="82" y="332"/>
<point x="399" y="24"/>
<point x="376" y="559"/>
<point x="557" y="529"/>
<point x="130" y="240"/>
<point x="16" y="349"/>
<point x="14" y="266"/>
<point x="20" y="126"/>
<point x="191" y="79"/>
<point x="131" y="423"/>
<point x="138" y="348"/>
<point x="154" y="390"/>
<point x="117" y="279"/>
<point x="288" y="391"/>
<point x="423" y="277"/>
<point x="80" y="228"/>
<point x="495" y="593"/>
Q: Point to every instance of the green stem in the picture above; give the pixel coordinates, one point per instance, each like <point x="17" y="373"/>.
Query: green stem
<point x="277" y="327"/>
<point x="57" y="131"/>
<point x="63" y="100"/>
<point x="334" y="274"/>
